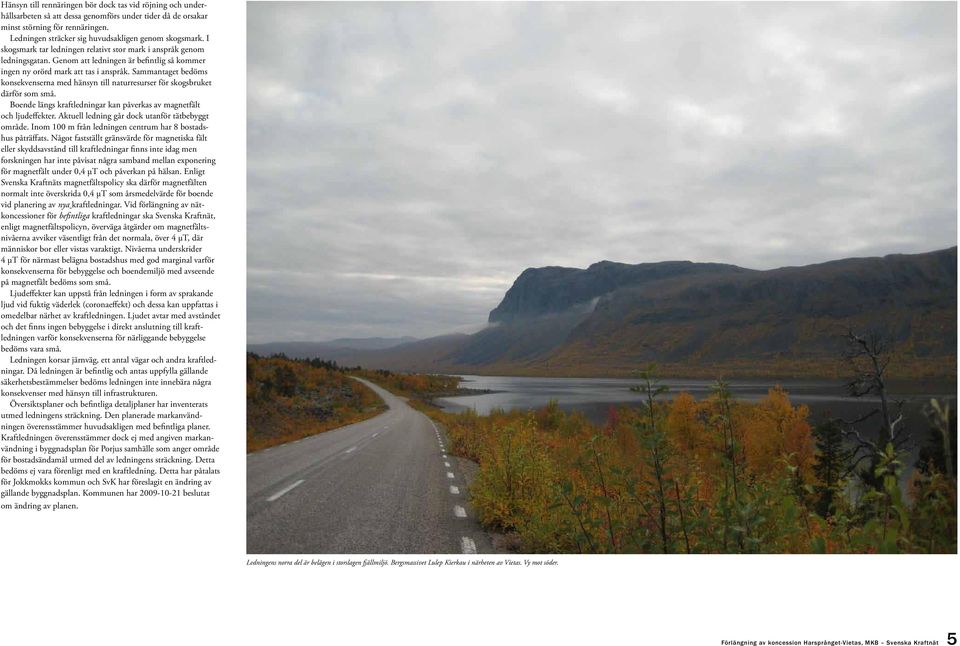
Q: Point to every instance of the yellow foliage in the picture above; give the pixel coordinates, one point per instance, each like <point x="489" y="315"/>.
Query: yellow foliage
<point x="717" y="474"/>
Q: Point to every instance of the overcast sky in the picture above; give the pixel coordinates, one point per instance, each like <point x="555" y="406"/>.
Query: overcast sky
<point x="407" y="161"/>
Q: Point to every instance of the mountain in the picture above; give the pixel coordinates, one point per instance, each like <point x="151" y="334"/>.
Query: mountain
<point x="418" y="355"/>
<point x="552" y="290"/>
<point x="703" y="320"/>
<point x="787" y="321"/>
<point x="371" y="343"/>
<point x="427" y="355"/>
<point x="327" y="349"/>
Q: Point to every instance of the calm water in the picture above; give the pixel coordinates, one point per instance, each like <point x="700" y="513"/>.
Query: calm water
<point x="594" y="397"/>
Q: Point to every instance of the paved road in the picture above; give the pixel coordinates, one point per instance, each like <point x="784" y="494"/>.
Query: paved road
<point x="382" y="486"/>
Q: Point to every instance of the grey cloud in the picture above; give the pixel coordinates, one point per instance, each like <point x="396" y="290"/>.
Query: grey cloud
<point x="407" y="160"/>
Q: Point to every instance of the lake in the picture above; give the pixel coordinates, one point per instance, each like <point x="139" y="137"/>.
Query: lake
<point x="594" y="397"/>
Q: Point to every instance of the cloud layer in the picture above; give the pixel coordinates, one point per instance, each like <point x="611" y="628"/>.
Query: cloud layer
<point x="407" y="161"/>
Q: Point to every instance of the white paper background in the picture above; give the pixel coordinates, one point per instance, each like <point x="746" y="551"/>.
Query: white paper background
<point x="161" y="571"/>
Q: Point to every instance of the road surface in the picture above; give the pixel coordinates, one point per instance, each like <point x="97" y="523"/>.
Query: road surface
<point x="382" y="486"/>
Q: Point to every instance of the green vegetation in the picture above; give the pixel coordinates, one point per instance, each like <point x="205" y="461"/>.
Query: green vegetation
<point x="291" y="399"/>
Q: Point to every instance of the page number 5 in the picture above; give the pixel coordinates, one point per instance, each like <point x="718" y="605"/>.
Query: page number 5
<point x="951" y="638"/>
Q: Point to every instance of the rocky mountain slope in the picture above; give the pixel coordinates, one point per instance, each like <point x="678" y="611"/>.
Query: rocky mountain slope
<point x="704" y="319"/>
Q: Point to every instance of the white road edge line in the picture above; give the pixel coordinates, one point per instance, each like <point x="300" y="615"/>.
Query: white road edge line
<point x="285" y="490"/>
<point x="455" y="490"/>
<point x="375" y="434"/>
<point x="351" y="449"/>
<point x="467" y="546"/>
<point x="446" y="464"/>
<point x="450" y="474"/>
<point x="459" y="511"/>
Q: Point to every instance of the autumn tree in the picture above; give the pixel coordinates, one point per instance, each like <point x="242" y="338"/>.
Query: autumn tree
<point x="868" y="357"/>
<point x="285" y="380"/>
<point x="939" y="453"/>
<point x="652" y="433"/>
<point x="830" y="466"/>
<point x="934" y="487"/>
<point x="723" y="421"/>
<point x="690" y="443"/>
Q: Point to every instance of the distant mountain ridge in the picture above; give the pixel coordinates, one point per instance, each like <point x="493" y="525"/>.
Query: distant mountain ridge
<point x="782" y="320"/>
<point x="702" y="319"/>
<point x="371" y="343"/>
<point x="552" y="290"/>
<point x="337" y="346"/>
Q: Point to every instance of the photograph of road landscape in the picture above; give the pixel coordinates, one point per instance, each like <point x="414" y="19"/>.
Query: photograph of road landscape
<point x="572" y="278"/>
